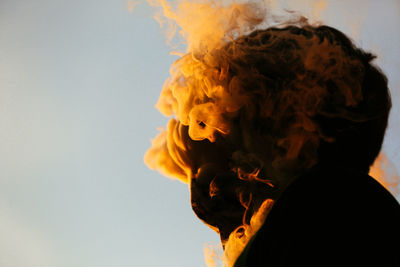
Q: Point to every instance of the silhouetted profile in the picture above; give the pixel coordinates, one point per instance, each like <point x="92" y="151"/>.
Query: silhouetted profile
<point x="275" y="132"/>
<point x="313" y="126"/>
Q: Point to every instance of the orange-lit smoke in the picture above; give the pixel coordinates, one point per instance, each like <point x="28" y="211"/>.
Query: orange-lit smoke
<point x="205" y="26"/>
<point x="238" y="239"/>
<point x="203" y="95"/>
<point x="242" y="102"/>
<point x="386" y="173"/>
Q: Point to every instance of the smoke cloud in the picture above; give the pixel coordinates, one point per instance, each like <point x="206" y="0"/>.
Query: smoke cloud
<point x="256" y="100"/>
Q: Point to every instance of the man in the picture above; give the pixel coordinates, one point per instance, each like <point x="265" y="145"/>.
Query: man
<point x="322" y="115"/>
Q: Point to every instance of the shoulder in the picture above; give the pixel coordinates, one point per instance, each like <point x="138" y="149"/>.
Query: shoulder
<point x="333" y="186"/>
<point x="333" y="213"/>
<point x="339" y="198"/>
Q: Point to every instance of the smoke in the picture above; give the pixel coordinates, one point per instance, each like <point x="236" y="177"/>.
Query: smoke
<point x="195" y="95"/>
<point x="255" y="100"/>
<point x="238" y="239"/>
<point x="242" y="235"/>
<point x="386" y="173"/>
<point x="205" y="26"/>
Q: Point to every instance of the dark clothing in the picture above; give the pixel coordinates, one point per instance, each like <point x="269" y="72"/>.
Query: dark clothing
<point x="329" y="217"/>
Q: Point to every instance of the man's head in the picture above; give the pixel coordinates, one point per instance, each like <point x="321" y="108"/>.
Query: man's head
<point x="254" y="114"/>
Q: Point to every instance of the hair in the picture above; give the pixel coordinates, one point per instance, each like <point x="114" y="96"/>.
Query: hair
<point x="309" y="93"/>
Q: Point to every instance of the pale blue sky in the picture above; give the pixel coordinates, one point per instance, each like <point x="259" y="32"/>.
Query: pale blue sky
<point x="78" y="84"/>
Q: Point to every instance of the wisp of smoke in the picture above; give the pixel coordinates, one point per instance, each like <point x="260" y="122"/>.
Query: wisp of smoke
<point x="386" y="173"/>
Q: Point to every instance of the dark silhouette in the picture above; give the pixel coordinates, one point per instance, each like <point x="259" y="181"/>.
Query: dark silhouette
<point x="313" y="125"/>
<point x="331" y="216"/>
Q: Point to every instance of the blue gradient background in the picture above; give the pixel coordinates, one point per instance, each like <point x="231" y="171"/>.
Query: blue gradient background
<point x="78" y="84"/>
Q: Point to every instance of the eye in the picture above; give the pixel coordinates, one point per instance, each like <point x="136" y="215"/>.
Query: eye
<point x="202" y="125"/>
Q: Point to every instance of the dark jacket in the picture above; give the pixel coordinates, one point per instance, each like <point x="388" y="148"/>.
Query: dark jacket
<point x="330" y="217"/>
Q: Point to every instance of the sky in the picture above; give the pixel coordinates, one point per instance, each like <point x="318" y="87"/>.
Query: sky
<point x="78" y="84"/>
